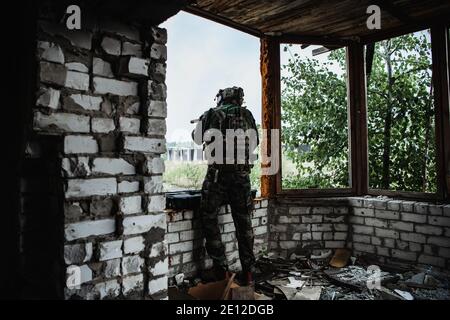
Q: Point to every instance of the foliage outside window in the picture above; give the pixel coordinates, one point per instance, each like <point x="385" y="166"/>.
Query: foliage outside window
<point x="401" y="117"/>
<point x="314" y="123"/>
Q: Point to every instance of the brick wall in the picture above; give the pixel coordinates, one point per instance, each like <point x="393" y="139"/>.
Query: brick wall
<point x="101" y="92"/>
<point x="185" y="244"/>
<point x="414" y="232"/>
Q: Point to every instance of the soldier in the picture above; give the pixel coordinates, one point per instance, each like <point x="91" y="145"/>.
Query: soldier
<point x="228" y="181"/>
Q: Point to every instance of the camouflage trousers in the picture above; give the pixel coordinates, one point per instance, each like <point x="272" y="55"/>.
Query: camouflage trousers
<point x="228" y="187"/>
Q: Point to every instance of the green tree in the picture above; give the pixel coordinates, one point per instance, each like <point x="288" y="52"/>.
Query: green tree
<point x="400" y="114"/>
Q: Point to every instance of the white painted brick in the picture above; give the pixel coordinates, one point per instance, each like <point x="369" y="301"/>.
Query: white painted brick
<point x="157" y="127"/>
<point x="145" y="145"/>
<point x="421" y="208"/>
<point x="181" y="247"/>
<point x="363" y="229"/>
<point x="79" y="274"/>
<point x="77" y="80"/>
<point x="108" y="289"/>
<point x="188" y="257"/>
<point x="418" y="218"/>
<point x="91" y="187"/>
<point x="102" y="125"/>
<point x="260" y="230"/>
<point x="156" y="203"/>
<point x="389" y="243"/>
<point x="102" y="68"/>
<point x="322" y="210"/>
<point x="131" y="205"/>
<point x="376" y="223"/>
<point x="80" y="144"/>
<point x="364" y="212"/>
<point x="364" y="247"/>
<point x="385" y="214"/>
<point x="260" y="213"/>
<point x="157" y="109"/>
<point x="158" y="52"/>
<point x="229" y="227"/>
<point x="322" y="227"/>
<point x="66" y="122"/>
<point x="141" y="224"/>
<point x="49" y="97"/>
<point x="133" y="245"/>
<point x="161" y="268"/>
<point x="76" y="167"/>
<point x="154" y="165"/>
<point x="131" y="49"/>
<point x="187" y="235"/>
<point x="172" y="237"/>
<point x="159" y="249"/>
<point x="400" y="225"/>
<point x="174" y="260"/>
<point x="128" y="186"/>
<point x="157" y="285"/>
<point x="439" y="221"/>
<point x="361" y="238"/>
<point x="180" y="226"/>
<point x="394" y="205"/>
<point x="86" y="229"/>
<point x="134" y="67"/>
<point x="153" y="184"/>
<point x="77" y="66"/>
<point x="117" y="87"/>
<point x="356" y="201"/>
<point x="130" y="125"/>
<point x="413" y="237"/>
<point x="376" y="241"/>
<point x="110" y="250"/>
<point x="312" y="219"/>
<point x="111" y="46"/>
<point x="50" y="52"/>
<point x="431" y="230"/>
<point x="112" y="268"/>
<point x="408" y="206"/>
<point x="113" y="166"/>
<point x="188" y="215"/>
<point x="132" y="264"/>
<point x="436" y="210"/>
<point x="415" y="247"/>
<point x="299" y="210"/>
<point x="385" y="233"/>
<point x="132" y="283"/>
<point x="87" y="102"/>
<point x="340" y="236"/>
<point x="77" y="253"/>
<point x="356" y="220"/>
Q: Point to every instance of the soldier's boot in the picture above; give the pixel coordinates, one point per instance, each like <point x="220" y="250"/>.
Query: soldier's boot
<point x="216" y="273"/>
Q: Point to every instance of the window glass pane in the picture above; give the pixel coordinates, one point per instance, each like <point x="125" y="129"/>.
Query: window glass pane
<point x="401" y="123"/>
<point x="314" y="121"/>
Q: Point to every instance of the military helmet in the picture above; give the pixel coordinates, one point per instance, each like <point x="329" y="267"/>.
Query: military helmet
<point x="229" y="95"/>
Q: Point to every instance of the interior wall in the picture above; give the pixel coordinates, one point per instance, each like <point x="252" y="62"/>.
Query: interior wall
<point x="101" y="94"/>
<point x="387" y="230"/>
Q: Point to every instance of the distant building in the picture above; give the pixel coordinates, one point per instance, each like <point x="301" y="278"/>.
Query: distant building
<point x="185" y="154"/>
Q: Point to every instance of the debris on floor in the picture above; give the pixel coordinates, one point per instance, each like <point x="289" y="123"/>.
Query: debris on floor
<point x="327" y="275"/>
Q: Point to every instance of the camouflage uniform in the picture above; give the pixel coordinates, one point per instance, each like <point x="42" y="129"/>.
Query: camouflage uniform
<point x="228" y="184"/>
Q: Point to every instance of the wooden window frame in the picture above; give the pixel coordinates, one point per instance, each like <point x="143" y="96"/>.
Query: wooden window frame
<point x="357" y="112"/>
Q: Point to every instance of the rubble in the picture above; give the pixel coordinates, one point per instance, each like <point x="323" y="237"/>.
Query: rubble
<point x="309" y="275"/>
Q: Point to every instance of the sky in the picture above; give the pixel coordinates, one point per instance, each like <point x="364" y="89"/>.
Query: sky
<point x="203" y="57"/>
